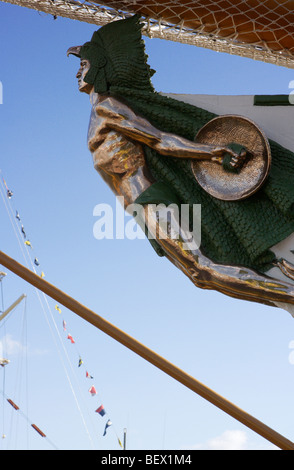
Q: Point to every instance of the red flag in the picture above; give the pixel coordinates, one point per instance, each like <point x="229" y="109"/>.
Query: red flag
<point x="101" y="410"/>
<point x="92" y="390"/>
<point x="71" y="338"/>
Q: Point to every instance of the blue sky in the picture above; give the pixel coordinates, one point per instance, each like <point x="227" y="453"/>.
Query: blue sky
<point x="240" y="350"/>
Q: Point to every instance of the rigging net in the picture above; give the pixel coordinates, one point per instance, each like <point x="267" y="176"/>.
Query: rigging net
<point x="258" y="30"/>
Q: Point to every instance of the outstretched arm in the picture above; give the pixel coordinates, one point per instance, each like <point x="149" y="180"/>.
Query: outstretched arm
<point x="121" y="118"/>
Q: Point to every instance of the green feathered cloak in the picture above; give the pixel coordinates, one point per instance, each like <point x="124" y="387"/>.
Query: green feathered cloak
<point x="235" y="233"/>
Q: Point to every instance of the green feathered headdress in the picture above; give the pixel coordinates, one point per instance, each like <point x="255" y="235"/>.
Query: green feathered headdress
<point x="117" y="56"/>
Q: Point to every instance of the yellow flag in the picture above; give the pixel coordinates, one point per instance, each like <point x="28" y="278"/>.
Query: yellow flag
<point x="120" y="442"/>
<point x="58" y="308"/>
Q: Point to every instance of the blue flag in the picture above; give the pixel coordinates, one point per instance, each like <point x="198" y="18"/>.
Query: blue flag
<point x="109" y="423"/>
<point x="101" y="410"/>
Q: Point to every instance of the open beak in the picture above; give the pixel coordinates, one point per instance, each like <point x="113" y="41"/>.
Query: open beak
<point x="75" y="50"/>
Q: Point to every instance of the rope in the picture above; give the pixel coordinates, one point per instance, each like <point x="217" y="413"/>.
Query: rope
<point x="4" y="372"/>
<point x="23" y="415"/>
<point x="43" y="300"/>
<point x="202" y="25"/>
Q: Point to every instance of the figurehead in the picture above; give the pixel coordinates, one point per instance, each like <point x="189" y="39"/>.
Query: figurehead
<point x="116" y="57"/>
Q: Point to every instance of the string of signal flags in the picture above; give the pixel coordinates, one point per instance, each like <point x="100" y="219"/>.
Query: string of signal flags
<point x="80" y="363"/>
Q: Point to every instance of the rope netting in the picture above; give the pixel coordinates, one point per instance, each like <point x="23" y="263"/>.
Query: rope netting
<point x="250" y="28"/>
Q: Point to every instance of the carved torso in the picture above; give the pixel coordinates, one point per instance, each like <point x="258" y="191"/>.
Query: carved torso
<point x="117" y="159"/>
